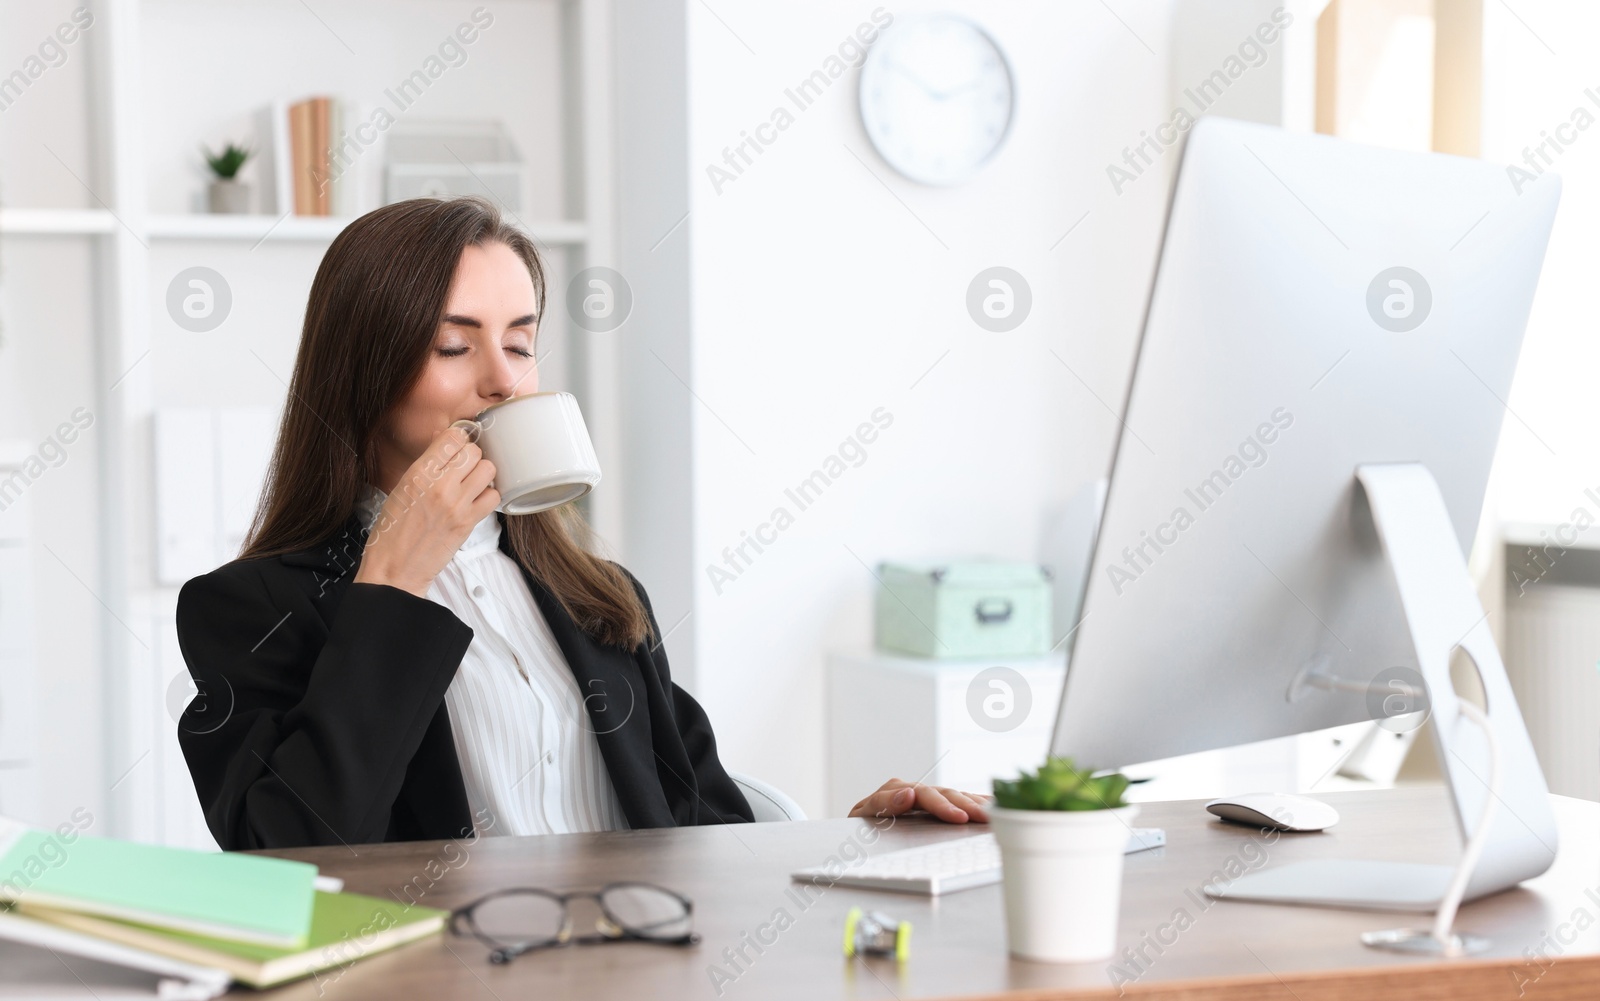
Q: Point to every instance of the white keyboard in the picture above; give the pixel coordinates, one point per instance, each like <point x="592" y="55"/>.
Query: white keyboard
<point x="944" y="867"/>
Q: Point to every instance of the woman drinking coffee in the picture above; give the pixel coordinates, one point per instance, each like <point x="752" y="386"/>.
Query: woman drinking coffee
<point x="390" y="658"/>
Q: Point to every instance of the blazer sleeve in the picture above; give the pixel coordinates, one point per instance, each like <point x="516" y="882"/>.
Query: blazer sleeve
<point x="719" y="799"/>
<point x="307" y="727"/>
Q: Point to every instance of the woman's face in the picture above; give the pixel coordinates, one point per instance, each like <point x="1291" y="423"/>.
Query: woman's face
<point x="482" y="353"/>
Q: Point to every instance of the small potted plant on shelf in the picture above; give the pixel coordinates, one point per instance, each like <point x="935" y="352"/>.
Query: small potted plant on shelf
<point x="1062" y="832"/>
<point x="228" y="195"/>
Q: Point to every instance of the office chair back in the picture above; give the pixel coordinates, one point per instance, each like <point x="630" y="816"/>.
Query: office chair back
<point x="766" y="800"/>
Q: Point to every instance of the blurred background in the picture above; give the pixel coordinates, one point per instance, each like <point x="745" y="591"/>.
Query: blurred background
<point x="764" y="229"/>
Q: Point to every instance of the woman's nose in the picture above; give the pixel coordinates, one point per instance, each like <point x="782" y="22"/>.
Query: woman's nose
<point x="509" y="376"/>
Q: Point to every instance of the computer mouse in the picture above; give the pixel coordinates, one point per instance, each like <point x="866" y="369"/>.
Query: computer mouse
<point x="1281" y="811"/>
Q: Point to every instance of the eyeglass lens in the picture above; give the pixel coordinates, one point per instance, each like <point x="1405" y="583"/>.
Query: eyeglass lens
<point x="646" y="910"/>
<point x="517" y="918"/>
<point x="520" y="918"/>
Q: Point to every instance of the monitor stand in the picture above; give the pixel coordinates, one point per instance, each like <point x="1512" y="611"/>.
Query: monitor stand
<point x="1443" y="613"/>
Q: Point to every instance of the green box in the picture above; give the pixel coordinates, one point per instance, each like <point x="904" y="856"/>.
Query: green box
<point x="969" y="608"/>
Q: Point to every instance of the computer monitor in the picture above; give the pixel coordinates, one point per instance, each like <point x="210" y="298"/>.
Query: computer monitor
<point x="1318" y="307"/>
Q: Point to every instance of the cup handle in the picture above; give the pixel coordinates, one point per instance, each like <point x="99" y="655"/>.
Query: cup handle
<point x="472" y="428"/>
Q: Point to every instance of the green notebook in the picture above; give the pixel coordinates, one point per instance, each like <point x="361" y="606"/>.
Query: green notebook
<point x="344" y="927"/>
<point x="247" y="898"/>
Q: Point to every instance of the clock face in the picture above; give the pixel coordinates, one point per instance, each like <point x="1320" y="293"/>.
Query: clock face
<point x="936" y="97"/>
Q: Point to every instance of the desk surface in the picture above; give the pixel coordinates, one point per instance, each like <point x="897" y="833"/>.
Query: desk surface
<point x="738" y="879"/>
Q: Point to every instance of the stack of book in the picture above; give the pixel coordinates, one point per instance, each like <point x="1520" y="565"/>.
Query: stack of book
<point x="329" y="156"/>
<point x="311" y="132"/>
<point x="207" y="918"/>
<point x="313" y="157"/>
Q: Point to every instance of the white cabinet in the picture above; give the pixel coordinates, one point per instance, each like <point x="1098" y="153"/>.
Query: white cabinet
<point x="211" y="463"/>
<point x="16" y="599"/>
<point x="173" y="815"/>
<point x="16" y="661"/>
<point x="1552" y="638"/>
<point x="18" y="773"/>
<point x="954" y="723"/>
<point x="962" y="723"/>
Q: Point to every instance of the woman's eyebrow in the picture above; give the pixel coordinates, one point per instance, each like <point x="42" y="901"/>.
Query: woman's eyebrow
<point x="466" y="321"/>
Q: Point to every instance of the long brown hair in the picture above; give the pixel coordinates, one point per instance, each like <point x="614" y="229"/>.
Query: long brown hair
<point x="370" y="322"/>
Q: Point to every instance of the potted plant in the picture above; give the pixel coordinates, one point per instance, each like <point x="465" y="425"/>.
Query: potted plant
<point x="1062" y="832"/>
<point x="228" y="195"/>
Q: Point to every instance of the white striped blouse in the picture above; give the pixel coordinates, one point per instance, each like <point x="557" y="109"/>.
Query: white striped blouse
<point x="529" y="757"/>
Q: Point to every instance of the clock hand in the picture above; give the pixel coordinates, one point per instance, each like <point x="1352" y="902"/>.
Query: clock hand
<point x="907" y="74"/>
<point x="937" y="95"/>
<point x="969" y="85"/>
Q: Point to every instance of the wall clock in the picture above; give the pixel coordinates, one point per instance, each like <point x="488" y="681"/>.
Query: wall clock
<point x="936" y="97"/>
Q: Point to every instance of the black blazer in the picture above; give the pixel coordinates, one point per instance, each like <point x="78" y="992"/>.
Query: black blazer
<point x="321" y="716"/>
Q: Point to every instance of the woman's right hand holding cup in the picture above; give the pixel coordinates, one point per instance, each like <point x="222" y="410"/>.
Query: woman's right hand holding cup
<point x="428" y="514"/>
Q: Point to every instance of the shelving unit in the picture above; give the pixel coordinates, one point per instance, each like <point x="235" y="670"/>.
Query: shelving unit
<point x="249" y="228"/>
<point x="137" y="98"/>
<point x="19" y="779"/>
<point x="257" y="227"/>
<point x="56" y="222"/>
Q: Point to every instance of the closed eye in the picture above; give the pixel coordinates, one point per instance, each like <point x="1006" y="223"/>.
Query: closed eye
<point x="457" y="352"/>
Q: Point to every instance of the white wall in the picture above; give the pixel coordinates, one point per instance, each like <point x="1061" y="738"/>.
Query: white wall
<point x="822" y="286"/>
<point x="1547" y="456"/>
<point x="819" y="297"/>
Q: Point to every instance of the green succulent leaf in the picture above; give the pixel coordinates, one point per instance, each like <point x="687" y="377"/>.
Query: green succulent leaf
<point x="227" y="163"/>
<point x="1060" y="785"/>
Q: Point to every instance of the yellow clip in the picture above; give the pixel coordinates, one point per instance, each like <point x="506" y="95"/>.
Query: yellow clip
<point x="876" y="934"/>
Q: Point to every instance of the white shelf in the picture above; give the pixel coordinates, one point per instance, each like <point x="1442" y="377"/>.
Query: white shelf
<point x="1539" y="534"/>
<point x="248" y="228"/>
<point x="321" y="229"/>
<point x="245" y="227"/>
<point x="55" y="222"/>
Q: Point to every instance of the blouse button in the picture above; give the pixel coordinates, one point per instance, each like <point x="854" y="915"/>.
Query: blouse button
<point x="478" y="591"/>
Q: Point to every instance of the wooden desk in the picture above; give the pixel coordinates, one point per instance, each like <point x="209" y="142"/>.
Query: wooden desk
<point x="738" y="879"/>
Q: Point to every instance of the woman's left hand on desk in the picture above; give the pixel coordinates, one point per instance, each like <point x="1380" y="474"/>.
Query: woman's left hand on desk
<point x="952" y="806"/>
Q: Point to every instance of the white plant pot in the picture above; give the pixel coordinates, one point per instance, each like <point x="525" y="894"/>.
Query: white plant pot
<point x="229" y="197"/>
<point x="1062" y="878"/>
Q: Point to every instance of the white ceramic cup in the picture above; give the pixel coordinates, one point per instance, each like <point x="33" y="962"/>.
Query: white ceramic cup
<point x="540" y="448"/>
<point x="1062" y="880"/>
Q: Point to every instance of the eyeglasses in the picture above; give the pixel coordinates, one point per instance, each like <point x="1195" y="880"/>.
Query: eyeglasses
<point x="514" y="921"/>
